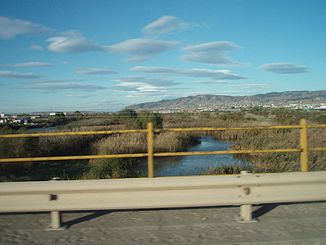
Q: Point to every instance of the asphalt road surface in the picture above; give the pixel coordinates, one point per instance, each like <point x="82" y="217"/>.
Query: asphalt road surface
<point x="278" y="224"/>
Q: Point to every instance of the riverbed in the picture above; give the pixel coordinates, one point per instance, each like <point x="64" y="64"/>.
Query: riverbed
<point x="193" y="165"/>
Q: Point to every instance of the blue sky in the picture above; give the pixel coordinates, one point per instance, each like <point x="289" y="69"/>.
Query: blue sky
<point x="104" y="55"/>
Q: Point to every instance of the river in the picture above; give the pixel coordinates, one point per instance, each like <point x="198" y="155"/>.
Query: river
<point x="187" y="165"/>
<point x="193" y="165"/>
<point x="41" y="130"/>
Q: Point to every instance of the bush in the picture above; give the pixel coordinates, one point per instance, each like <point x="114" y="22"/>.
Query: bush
<point x="131" y="143"/>
<point x="109" y="168"/>
<point x="277" y="139"/>
<point x="227" y="169"/>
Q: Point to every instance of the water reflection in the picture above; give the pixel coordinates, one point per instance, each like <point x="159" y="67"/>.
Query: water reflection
<point x="193" y="165"/>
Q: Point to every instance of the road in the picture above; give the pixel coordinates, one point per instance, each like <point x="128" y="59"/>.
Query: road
<point x="278" y="224"/>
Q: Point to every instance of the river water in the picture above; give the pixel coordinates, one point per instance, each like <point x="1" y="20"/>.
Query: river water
<point x="41" y="130"/>
<point x="187" y="165"/>
<point x="193" y="165"/>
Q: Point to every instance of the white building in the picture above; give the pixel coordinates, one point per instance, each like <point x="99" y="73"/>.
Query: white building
<point x="17" y="121"/>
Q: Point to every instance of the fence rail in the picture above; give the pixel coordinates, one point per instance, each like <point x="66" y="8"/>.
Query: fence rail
<point x="150" y="131"/>
<point x="242" y="190"/>
<point x="169" y="192"/>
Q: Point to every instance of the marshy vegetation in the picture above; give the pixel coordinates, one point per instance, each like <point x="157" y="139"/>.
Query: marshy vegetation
<point x="167" y="141"/>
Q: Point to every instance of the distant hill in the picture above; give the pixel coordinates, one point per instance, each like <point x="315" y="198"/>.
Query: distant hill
<point x="211" y="102"/>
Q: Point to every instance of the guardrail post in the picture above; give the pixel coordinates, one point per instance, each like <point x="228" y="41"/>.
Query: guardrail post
<point x="150" y="150"/>
<point x="304" y="145"/>
<point x="55" y="215"/>
<point x="246" y="209"/>
<point x="246" y="213"/>
<point x="56" y="222"/>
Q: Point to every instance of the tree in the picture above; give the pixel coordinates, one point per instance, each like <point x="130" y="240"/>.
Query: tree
<point x="146" y="117"/>
<point x="127" y="113"/>
<point x="58" y="119"/>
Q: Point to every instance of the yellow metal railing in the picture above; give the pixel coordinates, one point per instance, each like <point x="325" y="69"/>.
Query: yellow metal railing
<point x="303" y="150"/>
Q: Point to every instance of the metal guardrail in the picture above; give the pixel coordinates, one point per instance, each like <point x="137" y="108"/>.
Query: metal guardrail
<point x="162" y="192"/>
<point x="304" y="149"/>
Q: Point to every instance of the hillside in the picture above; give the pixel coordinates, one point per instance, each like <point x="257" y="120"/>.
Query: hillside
<point x="211" y="102"/>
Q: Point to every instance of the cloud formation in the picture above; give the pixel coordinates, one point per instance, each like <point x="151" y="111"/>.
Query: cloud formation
<point x="254" y="86"/>
<point x="140" y="87"/>
<point x="142" y="49"/>
<point x="72" y="42"/>
<point x="210" y="53"/>
<point x="36" y="47"/>
<point x="164" y="25"/>
<point x="78" y="95"/>
<point x="19" y="75"/>
<point x="11" y="28"/>
<point x="32" y="64"/>
<point x="148" y="80"/>
<point x="62" y="85"/>
<point x="144" y="85"/>
<point x="195" y="72"/>
<point x="284" y="68"/>
<point x="95" y="71"/>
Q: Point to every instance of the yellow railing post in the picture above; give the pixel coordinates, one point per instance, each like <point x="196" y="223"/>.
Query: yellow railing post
<point x="304" y="145"/>
<point x="150" y="150"/>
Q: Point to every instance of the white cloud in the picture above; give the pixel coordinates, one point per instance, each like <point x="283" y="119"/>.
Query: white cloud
<point x="165" y="24"/>
<point x="212" y="81"/>
<point x="254" y="86"/>
<point x="10" y="28"/>
<point x="72" y="42"/>
<point x="95" y="71"/>
<point x="73" y="86"/>
<point x="284" y="68"/>
<point x="144" y="85"/>
<point x="148" y="80"/>
<point x="36" y="47"/>
<point x="78" y="95"/>
<point x="19" y="75"/>
<point x="32" y="64"/>
<point x="209" y="92"/>
<point x="210" y="53"/>
<point x="142" y="49"/>
<point x="140" y="87"/>
<point x="257" y="86"/>
<point x="54" y="81"/>
<point x="216" y="46"/>
<point x="195" y="72"/>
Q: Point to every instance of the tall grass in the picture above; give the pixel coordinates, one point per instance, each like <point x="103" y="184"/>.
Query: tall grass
<point x="276" y="139"/>
<point x="45" y="146"/>
<point x="131" y="143"/>
<point x="163" y="142"/>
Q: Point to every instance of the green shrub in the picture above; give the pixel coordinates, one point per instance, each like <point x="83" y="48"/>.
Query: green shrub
<point x="227" y="169"/>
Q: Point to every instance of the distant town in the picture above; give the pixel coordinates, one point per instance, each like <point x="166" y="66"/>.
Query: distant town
<point x="35" y="119"/>
<point x="304" y="100"/>
<point x="239" y="107"/>
<point x="49" y="118"/>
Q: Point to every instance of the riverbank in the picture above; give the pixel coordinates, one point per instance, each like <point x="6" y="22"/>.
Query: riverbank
<point x="133" y="143"/>
<point x="193" y="165"/>
<point x="171" y="142"/>
<point x="276" y="139"/>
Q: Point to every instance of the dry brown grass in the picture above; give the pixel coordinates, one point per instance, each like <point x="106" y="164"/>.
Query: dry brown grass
<point x="277" y="139"/>
<point x="121" y="143"/>
<point x="137" y="143"/>
<point x="130" y="143"/>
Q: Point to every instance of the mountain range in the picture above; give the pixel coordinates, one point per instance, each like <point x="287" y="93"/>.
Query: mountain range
<point x="211" y="102"/>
